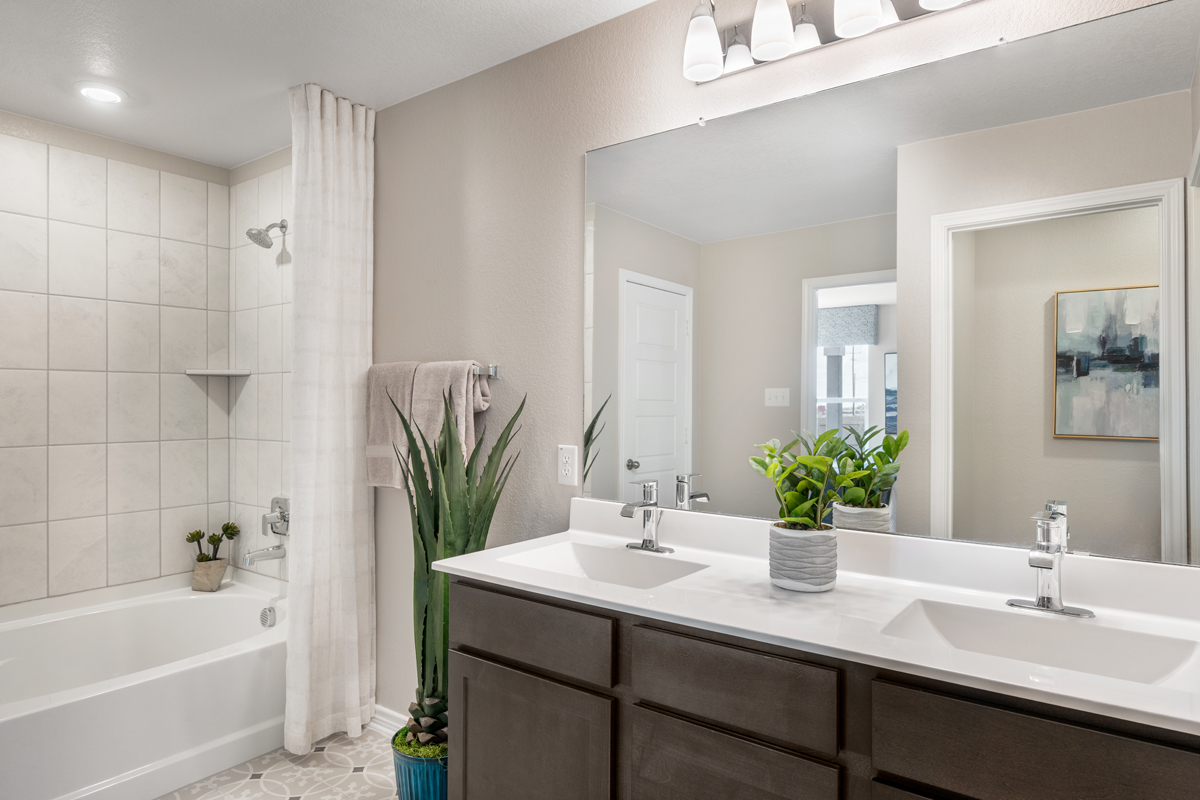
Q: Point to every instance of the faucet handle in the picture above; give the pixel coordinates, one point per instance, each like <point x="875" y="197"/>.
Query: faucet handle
<point x="649" y="491"/>
<point x="1057" y="507"/>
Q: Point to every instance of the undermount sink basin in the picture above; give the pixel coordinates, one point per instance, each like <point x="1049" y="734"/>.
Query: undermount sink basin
<point x="1081" y="645"/>
<point x="618" y="565"/>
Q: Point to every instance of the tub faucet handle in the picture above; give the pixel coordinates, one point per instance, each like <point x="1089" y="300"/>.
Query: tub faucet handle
<point x="279" y="518"/>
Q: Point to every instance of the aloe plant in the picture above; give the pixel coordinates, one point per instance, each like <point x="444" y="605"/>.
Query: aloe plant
<point x="805" y="484"/>
<point x="867" y="471"/>
<point x="590" y="435"/>
<point x="451" y="503"/>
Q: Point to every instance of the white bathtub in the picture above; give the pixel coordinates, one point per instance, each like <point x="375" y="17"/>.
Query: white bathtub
<point x="129" y="692"/>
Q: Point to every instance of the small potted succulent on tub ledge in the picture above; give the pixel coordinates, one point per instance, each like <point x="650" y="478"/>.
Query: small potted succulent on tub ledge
<point x="210" y="567"/>
<point x="803" y="548"/>
<point x="866" y="474"/>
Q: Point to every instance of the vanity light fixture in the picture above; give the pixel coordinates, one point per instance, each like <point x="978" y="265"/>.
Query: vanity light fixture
<point x="100" y="92"/>
<point x="702" y="56"/>
<point x="806" y="35"/>
<point x="890" y="17"/>
<point x="853" y="18"/>
<point x="940" y="5"/>
<point x="771" y="35"/>
<point x="737" y="55"/>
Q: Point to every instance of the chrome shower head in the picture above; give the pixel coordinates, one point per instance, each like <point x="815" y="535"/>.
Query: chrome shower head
<point x="262" y="236"/>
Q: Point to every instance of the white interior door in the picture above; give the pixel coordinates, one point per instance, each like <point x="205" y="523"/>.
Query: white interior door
<point x="656" y="384"/>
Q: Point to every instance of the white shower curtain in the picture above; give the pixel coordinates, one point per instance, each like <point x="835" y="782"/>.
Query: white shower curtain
<point x="331" y="629"/>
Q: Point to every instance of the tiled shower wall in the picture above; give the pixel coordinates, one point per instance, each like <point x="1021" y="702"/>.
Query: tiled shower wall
<point x="260" y="418"/>
<point x="114" y="279"/>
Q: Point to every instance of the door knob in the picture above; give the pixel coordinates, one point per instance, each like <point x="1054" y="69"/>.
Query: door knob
<point x="631" y="464"/>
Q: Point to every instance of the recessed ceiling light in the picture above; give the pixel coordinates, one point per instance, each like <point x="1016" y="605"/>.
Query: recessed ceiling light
<point x="100" y="92"/>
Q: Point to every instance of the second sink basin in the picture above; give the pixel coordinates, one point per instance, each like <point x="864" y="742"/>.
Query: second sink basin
<point x="1081" y="645"/>
<point x="618" y="565"/>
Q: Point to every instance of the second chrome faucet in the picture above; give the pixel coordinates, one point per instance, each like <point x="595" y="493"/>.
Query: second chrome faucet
<point x="652" y="513"/>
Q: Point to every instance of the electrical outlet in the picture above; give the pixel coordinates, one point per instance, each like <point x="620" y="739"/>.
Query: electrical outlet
<point x="568" y="465"/>
<point x="779" y="397"/>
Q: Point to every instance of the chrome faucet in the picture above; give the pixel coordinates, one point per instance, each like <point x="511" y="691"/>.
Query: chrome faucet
<point x="684" y="496"/>
<point x="1046" y="557"/>
<point x="651" y="514"/>
<point x="267" y="554"/>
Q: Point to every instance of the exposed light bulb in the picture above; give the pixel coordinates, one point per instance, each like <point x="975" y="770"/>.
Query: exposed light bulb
<point x="771" y="36"/>
<point x="890" y="17"/>
<point x="101" y="93"/>
<point x="940" y="5"/>
<point x="806" y="35"/>
<point x="702" y="59"/>
<point x="738" y="57"/>
<point x="853" y="18"/>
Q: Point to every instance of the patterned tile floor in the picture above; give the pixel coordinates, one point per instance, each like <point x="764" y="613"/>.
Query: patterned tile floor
<point x="339" y="768"/>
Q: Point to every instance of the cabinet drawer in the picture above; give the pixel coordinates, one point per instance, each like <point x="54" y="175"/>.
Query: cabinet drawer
<point x="778" y="698"/>
<point x="550" y="638"/>
<point x="995" y="754"/>
<point x="881" y="791"/>
<point x="516" y="736"/>
<point x="676" y="760"/>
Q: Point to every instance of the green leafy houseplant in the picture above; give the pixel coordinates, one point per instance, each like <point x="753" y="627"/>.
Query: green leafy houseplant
<point x="805" y="484"/>
<point x="229" y="531"/>
<point x="451" y="504"/>
<point x="867" y="471"/>
<point x="590" y="435"/>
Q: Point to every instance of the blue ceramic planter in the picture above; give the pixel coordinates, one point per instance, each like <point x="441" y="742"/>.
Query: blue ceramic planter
<point x="420" y="778"/>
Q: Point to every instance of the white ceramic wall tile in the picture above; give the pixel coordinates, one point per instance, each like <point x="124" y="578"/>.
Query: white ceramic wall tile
<point x="248" y="517"/>
<point x="132" y="198"/>
<point x="78" y="555"/>
<point x="78" y="187"/>
<point x="245" y="340"/>
<point x="132" y="407"/>
<point x="78" y="403"/>
<point x="133" y="547"/>
<point x="245" y="471"/>
<point x="246" y="208"/>
<point x="177" y="555"/>
<point x="78" y="485"/>
<point x="184" y="339"/>
<point x="23" y="404"/>
<point x="23" y="165"/>
<point x="184" y="209"/>
<point x="218" y="515"/>
<point x="218" y="339"/>
<point x="184" y="276"/>
<point x="270" y="406"/>
<point x="184" y="403"/>
<point x="77" y="259"/>
<point x="270" y="203"/>
<point x="22" y="559"/>
<point x="218" y="279"/>
<point x="218" y="470"/>
<point x="285" y="454"/>
<point x="218" y="215"/>
<point x="23" y="485"/>
<point x="23" y="330"/>
<point x="285" y="407"/>
<point x="245" y="276"/>
<point x="184" y="473"/>
<point x="218" y="408"/>
<point x="270" y="472"/>
<point x="268" y="276"/>
<point x="78" y="333"/>
<point x="245" y="408"/>
<point x="133" y="267"/>
<point x="23" y="252"/>
<point x="286" y="339"/>
<point x="132" y="477"/>
<point x="270" y="336"/>
<point x="132" y="337"/>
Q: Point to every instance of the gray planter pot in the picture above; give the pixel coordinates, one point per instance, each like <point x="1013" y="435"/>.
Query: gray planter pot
<point x="803" y="561"/>
<point x="208" y="574"/>
<point x="876" y="520"/>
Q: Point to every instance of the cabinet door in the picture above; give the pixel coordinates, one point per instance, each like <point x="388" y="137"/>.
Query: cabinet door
<point x="516" y="736"/>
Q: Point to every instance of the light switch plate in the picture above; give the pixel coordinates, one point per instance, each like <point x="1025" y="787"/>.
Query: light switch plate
<point x="779" y="397"/>
<point x="568" y="465"/>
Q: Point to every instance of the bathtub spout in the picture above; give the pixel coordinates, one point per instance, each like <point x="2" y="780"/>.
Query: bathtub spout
<point x="270" y="553"/>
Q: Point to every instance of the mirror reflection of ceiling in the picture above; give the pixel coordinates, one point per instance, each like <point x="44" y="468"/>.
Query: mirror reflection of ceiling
<point x="832" y="156"/>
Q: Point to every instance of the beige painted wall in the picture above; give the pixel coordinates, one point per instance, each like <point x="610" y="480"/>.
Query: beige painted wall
<point x="750" y="325"/>
<point x="479" y="224"/>
<point x="1112" y="487"/>
<point x="1120" y="145"/>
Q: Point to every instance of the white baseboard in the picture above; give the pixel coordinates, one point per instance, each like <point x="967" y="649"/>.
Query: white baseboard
<point x="387" y="721"/>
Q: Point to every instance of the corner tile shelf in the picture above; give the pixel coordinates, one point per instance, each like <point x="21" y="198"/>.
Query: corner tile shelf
<point x="218" y="373"/>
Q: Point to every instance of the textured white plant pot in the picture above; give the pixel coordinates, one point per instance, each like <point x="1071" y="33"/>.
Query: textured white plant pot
<point x="208" y="574"/>
<point x="877" y="520"/>
<point x="803" y="561"/>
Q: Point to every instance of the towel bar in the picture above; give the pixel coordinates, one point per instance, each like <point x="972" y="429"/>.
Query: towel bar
<point x="491" y="370"/>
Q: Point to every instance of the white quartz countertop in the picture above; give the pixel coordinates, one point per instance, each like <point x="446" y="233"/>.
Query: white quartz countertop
<point x="881" y="576"/>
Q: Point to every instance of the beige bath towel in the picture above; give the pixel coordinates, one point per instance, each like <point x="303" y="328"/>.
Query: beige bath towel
<point x="418" y="389"/>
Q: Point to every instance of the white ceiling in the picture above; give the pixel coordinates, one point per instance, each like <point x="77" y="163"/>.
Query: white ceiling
<point x="208" y="79"/>
<point x="832" y="156"/>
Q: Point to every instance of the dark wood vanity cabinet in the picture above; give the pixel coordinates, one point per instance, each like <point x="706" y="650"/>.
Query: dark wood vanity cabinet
<point x="558" y="700"/>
